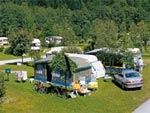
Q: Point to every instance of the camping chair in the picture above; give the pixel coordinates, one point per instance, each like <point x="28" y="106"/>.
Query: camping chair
<point x="79" y="89"/>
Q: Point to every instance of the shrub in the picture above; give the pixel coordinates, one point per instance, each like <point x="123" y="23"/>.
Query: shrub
<point x="1" y="49"/>
<point x="2" y="88"/>
<point x="8" y="50"/>
<point x="72" y="49"/>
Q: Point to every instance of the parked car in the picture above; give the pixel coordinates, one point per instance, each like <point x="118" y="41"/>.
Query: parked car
<point x="129" y="79"/>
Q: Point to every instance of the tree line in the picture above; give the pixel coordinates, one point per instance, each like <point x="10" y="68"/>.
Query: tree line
<point x="94" y="23"/>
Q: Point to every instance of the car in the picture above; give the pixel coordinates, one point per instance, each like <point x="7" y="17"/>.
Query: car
<point x="129" y="79"/>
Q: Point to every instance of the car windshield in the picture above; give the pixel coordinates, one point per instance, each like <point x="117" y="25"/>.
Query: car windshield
<point x="131" y="75"/>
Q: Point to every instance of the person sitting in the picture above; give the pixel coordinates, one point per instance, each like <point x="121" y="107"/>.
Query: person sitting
<point x="76" y="87"/>
<point x="80" y="89"/>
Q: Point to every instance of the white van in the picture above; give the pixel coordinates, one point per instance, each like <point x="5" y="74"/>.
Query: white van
<point x="98" y="69"/>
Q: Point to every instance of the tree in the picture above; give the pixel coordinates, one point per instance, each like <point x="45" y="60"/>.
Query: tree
<point x="124" y="38"/>
<point x="59" y="63"/>
<point x="34" y="54"/>
<point x="127" y="59"/>
<point x="20" y="44"/>
<point x="106" y="33"/>
<point x="140" y="34"/>
<point x="81" y="24"/>
<point x="65" y="30"/>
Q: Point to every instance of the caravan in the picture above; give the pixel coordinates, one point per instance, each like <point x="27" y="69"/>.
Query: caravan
<point x="36" y="43"/>
<point x="98" y="69"/>
<point x="4" y="41"/>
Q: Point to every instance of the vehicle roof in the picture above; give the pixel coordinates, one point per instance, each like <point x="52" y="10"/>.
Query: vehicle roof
<point x="81" y="62"/>
<point x="128" y="70"/>
<point x="89" y="58"/>
<point x="35" y="40"/>
<point x="3" y="38"/>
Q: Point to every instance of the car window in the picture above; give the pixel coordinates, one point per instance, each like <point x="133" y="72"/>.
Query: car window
<point x="131" y="75"/>
<point x="121" y="75"/>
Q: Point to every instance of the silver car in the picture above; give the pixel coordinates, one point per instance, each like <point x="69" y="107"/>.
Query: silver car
<point x="129" y="79"/>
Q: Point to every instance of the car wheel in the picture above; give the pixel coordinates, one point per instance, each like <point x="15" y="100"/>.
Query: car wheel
<point x="122" y="86"/>
<point x="114" y="80"/>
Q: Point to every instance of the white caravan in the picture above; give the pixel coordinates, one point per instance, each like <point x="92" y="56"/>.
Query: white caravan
<point x="36" y="43"/>
<point x="4" y="41"/>
<point x="98" y="69"/>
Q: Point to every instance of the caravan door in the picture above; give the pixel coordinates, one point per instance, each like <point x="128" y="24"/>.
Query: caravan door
<point x="98" y="69"/>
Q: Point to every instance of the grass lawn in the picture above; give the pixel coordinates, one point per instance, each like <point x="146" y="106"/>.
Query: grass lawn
<point x="7" y="57"/>
<point x="109" y="98"/>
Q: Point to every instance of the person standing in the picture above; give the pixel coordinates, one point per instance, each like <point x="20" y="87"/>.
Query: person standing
<point x="140" y="64"/>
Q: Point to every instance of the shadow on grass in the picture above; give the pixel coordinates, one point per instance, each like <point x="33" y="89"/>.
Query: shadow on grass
<point x="125" y="89"/>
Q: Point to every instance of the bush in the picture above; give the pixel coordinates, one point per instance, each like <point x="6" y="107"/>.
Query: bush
<point x="8" y="50"/>
<point x="109" y="58"/>
<point x="1" y="49"/>
<point x="72" y="49"/>
<point x="2" y="88"/>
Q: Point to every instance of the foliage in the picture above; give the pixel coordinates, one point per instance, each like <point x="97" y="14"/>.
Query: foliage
<point x="114" y="58"/>
<point x="2" y="88"/>
<point x="72" y="49"/>
<point x="20" y="44"/>
<point x="105" y="32"/>
<point x="127" y="59"/>
<point x="110" y="58"/>
<point x="34" y="54"/>
<point x="107" y="23"/>
<point x="8" y="51"/>
<point x="62" y="63"/>
<point x="140" y="34"/>
<point x="1" y="49"/>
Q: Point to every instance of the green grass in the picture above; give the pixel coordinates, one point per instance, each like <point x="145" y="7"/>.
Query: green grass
<point x="109" y="98"/>
<point x="29" y="69"/>
<point x="7" y="57"/>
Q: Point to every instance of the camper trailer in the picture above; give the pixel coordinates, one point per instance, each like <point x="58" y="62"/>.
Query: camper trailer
<point x="55" y="39"/>
<point x="4" y="41"/>
<point x="58" y="81"/>
<point x="36" y="43"/>
<point x="97" y="67"/>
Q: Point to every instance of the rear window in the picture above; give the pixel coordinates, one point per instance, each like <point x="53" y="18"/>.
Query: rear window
<point x="131" y="75"/>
